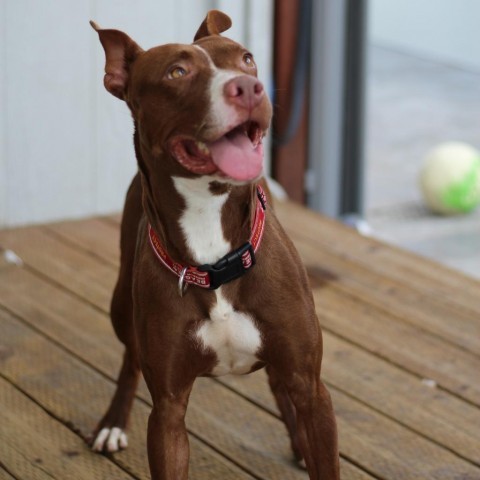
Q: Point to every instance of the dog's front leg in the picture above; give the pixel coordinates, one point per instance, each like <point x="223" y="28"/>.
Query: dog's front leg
<point x="170" y="378"/>
<point x="170" y="364"/>
<point x="167" y="440"/>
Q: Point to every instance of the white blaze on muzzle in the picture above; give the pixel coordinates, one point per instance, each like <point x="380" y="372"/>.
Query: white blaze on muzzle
<point x="239" y="153"/>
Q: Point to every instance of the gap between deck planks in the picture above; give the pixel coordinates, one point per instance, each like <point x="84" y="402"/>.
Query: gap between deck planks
<point x="392" y="477"/>
<point x="4" y="475"/>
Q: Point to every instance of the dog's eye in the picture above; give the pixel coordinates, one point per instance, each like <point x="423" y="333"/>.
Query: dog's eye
<point x="177" y="72"/>
<point x="248" y="60"/>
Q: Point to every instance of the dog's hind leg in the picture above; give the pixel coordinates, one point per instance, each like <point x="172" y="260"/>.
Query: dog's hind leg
<point x="110" y="433"/>
<point x="296" y="367"/>
<point x="316" y="428"/>
<point x="287" y="410"/>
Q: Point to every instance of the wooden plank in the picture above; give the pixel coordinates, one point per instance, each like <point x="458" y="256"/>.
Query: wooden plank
<point x="393" y="262"/>
<point x="35" y="446"/>
<point x="93" y="235"/>
<point x="223" y="407"/>
<point x="432" y="280"/>
<point x="430" y="411"/>
<point x="61" y="317"/>
<point x="61" y="262"/>
<point x="455" y="371"/>
<point x="404" y="345"/>
<point x="407" y="454"/>
<point x="453" y="323"/>
<point x="76" y="394"/>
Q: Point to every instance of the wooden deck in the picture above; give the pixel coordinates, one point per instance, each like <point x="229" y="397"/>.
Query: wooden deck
<point x="402" y="361"/>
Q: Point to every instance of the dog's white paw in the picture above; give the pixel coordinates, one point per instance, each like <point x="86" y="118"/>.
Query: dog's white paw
<point x="110" y="440"/>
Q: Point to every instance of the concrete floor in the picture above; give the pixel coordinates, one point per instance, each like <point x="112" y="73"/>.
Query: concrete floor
<point x="413" y="105"/>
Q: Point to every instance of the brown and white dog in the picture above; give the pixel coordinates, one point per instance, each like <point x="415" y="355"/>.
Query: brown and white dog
<point x="195" y="214"/>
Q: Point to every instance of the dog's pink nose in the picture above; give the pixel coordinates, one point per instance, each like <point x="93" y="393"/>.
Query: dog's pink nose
<point x="244" y="91"/>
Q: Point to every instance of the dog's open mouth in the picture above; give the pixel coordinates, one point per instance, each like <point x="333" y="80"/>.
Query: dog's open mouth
<point x="238" y="154"/>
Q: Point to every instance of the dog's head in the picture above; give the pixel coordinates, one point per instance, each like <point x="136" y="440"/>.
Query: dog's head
<point x="199" y="106"/>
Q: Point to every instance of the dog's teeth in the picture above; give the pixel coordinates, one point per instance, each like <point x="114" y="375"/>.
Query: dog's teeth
<point x="203" y="147"/>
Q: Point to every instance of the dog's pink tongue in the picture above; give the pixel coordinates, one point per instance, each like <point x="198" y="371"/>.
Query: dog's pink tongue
<point x="235" y="155"/>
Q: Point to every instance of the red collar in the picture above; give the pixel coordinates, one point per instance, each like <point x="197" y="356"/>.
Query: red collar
<point x="228" y="268"/>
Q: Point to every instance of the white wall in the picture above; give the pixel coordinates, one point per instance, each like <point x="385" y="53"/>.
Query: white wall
<point x="445" y="30"/>
<point x="65" y="143"/>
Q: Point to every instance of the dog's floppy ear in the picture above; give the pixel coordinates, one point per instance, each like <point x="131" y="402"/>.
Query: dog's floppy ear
<point x="215" y="23"/>
<point x="120" y="52"/>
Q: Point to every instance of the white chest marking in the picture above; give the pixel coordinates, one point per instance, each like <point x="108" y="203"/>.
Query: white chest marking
<point x="201" y="221"/>
<point x="232" y="336"/>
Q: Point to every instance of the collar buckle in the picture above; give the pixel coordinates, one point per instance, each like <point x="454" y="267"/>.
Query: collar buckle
<point x="231" y="266"/>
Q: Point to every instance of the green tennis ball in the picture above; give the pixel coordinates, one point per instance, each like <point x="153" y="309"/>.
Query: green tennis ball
<point x="450" y="178"/>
